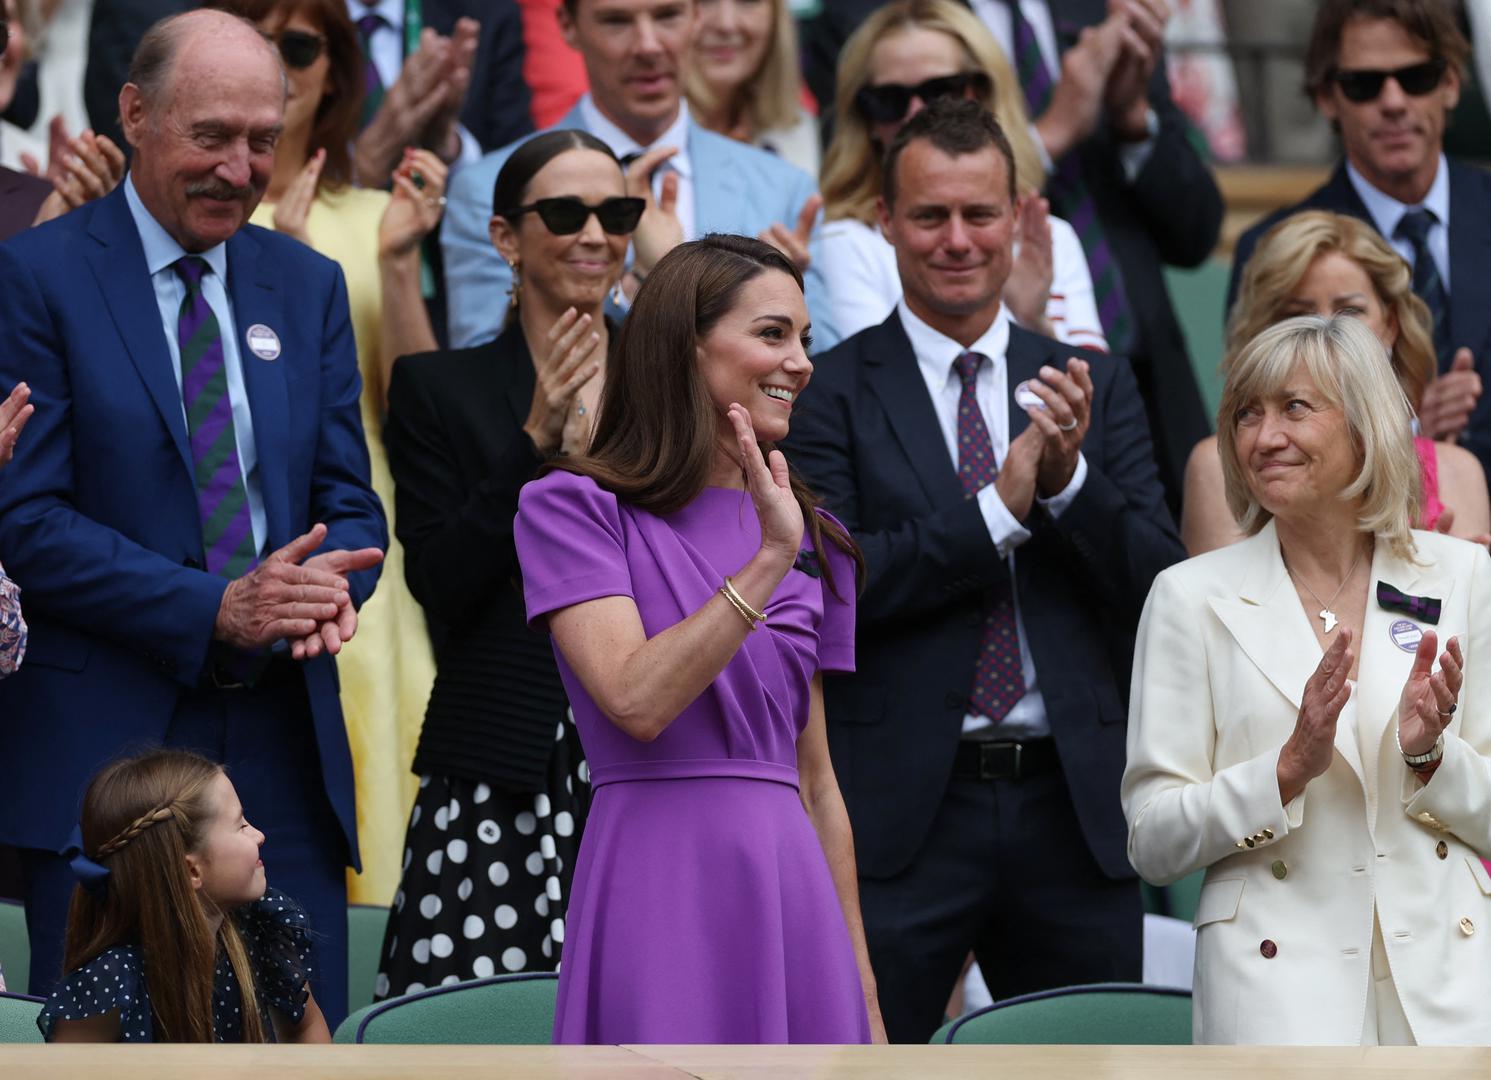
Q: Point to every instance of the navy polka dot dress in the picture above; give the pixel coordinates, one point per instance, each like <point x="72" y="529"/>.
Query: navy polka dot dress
<point x="277" y="938"/>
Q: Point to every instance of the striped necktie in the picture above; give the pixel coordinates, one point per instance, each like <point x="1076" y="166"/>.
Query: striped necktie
<point x="222" y="499"/>
<point x="373" y="90"/>
<point x="1068" y="194"/>
<point x="998" y="682"/>
<point x="1414" y="227"/>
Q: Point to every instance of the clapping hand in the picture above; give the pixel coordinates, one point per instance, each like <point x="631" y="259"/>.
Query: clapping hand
<point x="570" y="362"/>
<point x="417" y="203"/>
<point x="419" y="109"/>
<point x="660" y="230"/>
<point x="84" y="168"/>
<point x="793" y="242"/>
<point x="1307" y="752"/>
<point x="15" y="410"/>
<point x="1078" y="97"/>
<point x="294" y="207"/>
<point x="1143" y="36"/>
<point x="1449" y="400"/>
<point x="1028" y="288"/>
<point x="333" y="633"/>
<point x="1063" y="422"/>
<point x="1428" y="702"/>
<point x="770" y="488"/>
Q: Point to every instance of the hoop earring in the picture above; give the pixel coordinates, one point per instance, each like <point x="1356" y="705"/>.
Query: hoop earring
<point x="515" y="289"/>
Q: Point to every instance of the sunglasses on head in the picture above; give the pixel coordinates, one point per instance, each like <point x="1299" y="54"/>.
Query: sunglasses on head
<point x="566" y="214"/>
<point x="887" y="103"/>
<point x="1365" y="84"/>
<point x="299" y="49"/>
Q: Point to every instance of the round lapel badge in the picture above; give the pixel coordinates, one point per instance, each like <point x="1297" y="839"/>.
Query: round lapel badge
<point x="1027" y="398"/>
<point x="1405" y="635"/>
<point x="263" y="342"/>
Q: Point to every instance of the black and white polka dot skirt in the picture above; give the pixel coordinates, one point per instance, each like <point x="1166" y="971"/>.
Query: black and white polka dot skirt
<point x="486" y="877"/>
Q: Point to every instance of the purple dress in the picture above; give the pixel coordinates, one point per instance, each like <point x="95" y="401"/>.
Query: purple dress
<point x="702" y="909"/>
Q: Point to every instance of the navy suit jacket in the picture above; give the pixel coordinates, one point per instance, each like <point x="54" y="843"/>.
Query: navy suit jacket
<point x="866" y="437"/>
<point x="1470" y="285"/>
<point x="98" y="512"/>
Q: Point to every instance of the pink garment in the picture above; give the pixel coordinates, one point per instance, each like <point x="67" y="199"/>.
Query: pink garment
<point x="1429" y="472"/>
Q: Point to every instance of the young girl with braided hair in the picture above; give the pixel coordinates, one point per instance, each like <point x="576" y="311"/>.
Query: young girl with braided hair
<point x="173" y="934"/>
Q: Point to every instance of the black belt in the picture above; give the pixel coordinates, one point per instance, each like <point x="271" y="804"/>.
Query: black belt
<point x="1003" y="759"/>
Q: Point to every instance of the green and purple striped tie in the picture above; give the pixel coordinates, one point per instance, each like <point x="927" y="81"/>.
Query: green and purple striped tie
<point x="222" y="500"/>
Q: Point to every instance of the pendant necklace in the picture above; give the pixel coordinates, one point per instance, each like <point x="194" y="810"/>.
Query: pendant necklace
<point x="1327" y="617"/>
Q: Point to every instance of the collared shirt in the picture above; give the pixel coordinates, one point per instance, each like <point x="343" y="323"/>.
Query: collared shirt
<point x="161" y="253"/>
<point x="1387" y="211"/>
<point x="935" y="353"/>
<point x="387" y="46"/>
<point x="622" y="144"/>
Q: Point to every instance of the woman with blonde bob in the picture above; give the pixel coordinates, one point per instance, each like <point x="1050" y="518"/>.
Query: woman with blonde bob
<point x="1320" y="263"/>
<point x="902" y="56"/>
<point x="1308" y="724"/>
<point x="743" y="78"/>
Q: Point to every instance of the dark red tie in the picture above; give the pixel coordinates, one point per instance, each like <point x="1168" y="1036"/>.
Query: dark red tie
<point x="997" y="680"/>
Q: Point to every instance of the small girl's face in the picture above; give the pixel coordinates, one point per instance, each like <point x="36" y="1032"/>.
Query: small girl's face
<point x="226" y="867"/>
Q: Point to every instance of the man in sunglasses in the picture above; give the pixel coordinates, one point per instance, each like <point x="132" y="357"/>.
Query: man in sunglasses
<point x="1387" y="74"/>
<point x="635" y="54"/>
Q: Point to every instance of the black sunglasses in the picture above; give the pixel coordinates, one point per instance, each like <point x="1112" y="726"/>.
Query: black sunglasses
<point x="887" y="103"/>
<point x="299" y="49"/>
<point x="566" y="215"/>
<point x="1365" y="84"/>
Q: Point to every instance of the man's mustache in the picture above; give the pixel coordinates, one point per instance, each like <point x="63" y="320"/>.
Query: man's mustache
<point x="218" y="189"/>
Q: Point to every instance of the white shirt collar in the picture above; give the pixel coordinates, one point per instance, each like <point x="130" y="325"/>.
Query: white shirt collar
<point x="935" y="351"/>
<point x="1387" y="211"/>
<point x="392" y="11"/>
<point x="161" y="248"/>
<point x="622" y="144"/>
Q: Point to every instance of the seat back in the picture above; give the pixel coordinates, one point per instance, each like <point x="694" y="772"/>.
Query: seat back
<point x="18" y="1015"/>
<point x="15" y="947"/>
<point x="1109" y="1014"/>
<point x="365" y="926"/>
<point x="503" y="1010"/>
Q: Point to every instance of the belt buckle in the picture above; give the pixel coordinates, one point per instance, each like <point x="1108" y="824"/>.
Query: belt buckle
<point x="996" y="762"/>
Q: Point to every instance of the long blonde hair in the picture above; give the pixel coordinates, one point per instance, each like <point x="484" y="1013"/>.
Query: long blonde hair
<point x="141" y="818"/>
<point x="771" y="97"/>
<point x="1283" y="257"/>
<point x="851" y="180"/>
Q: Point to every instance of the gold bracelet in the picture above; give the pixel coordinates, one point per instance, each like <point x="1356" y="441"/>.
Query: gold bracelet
<point x="748" y="613"/>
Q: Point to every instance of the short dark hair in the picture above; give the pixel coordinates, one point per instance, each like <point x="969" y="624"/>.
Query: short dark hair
<point x="1430" y="22"/>
<point x="523" y="164"/>
<point x="954" y="126"/>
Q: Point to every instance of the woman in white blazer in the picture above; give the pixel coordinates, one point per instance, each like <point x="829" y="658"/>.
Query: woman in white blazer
<point x="1291" y="731"/>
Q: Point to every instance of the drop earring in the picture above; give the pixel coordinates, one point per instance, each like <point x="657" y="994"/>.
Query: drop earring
<point x="516" y="288"/>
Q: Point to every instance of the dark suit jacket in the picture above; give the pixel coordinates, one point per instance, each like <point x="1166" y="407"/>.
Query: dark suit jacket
<point x="459" y="458"/>
<point x="1171" y="213"/>
<point x="99" y="521"/>
<point x="865" y="436"/>
<point x="21" y="196"/>
<point x="1470" y="285"/>
<point x="115" y="30"/>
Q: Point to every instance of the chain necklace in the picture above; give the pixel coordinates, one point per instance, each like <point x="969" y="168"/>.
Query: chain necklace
<point x="1327" y="617"/>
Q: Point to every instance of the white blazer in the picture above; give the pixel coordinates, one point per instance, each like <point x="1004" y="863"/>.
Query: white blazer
<point x="1284" y="922"/>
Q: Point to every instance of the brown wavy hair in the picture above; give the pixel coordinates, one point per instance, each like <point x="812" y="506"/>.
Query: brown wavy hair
<point x="656" y="432"/>
<point x="141" y="817"/>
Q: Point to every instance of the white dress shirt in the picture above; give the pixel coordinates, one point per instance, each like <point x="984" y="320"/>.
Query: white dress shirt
<point x="935" y="353"/>
<point x="1387" y="211"/>
<point x="161" y="254"/>
<point x="622" y="144"/>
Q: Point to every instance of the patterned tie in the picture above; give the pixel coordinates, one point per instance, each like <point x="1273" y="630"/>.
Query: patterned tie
<point x="997" y="679"/>
<point x="1414" y="227"/>
<point x="372" y="83"/>
<point x="222" y="500"/>
<point x="1068" y="193"/>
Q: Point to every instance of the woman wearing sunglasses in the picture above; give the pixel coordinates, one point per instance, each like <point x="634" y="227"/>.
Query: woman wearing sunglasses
<point x="905" y="54"/>
<point x="387" y="670"/>
<point x="503" y="788"/>
<point x="742" y="79"/>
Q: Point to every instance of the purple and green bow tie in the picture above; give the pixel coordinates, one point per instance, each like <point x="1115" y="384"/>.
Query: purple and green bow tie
<point x="1425" y="608"/>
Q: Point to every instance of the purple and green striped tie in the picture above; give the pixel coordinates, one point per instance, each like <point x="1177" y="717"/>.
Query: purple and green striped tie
<point x="1068" y="192"/>
<point x="373" y="90"/>
<point x="222" y="500"/>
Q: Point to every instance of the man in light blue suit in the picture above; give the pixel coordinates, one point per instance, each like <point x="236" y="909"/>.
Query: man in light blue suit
<point x="190" y="514"/>
<point x="635" y="52"/>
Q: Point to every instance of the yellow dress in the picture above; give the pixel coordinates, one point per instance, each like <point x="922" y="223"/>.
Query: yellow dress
<point x="387" y="670"/>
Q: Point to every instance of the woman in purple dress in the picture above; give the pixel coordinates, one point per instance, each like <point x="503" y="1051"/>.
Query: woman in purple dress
<point x="695" y="596"/>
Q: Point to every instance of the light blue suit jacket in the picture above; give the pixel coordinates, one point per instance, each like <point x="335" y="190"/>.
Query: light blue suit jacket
<point x="737" y="189"/>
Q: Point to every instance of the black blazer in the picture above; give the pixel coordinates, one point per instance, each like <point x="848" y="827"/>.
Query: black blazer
<point x="1470" y="285"/>
<point x="459" y="457"/>
<point x="865" y="436"/>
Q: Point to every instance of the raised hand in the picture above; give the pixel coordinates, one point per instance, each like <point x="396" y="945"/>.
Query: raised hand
<point x="1028" y="288"/>
<point x="407" y="112"/>
<point x="770" y="489"/>
<point x="793" y="242"/>
<point x="417" y="203"/>
<point x="660" y="230"/>
<point x="1429" y="699"/>
<point x="1449" y="400"/>
<point x="294" y="207"/>
<point x="1127" y="93"/>
<point x="15" y="410"/>
<point x="1016" y="482"/>
<point x="571" y="360"/>
<point x="440" y="134"/>
<point x="280" y="598"/>
<point x="88" y="167"/>
<point x="1064" y="421"/>
<point x="1078" y="98"/>
<point x="1307" y="752"/>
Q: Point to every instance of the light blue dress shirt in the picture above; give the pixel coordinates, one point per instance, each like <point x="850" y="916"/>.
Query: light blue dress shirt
<point x="161" y="253"/>
<point x="1387" y="211"/>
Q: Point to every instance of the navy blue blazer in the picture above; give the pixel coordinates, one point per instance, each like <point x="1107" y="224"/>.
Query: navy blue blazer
<point x="98" y="513"/>
<point x="1470" y="285"/>
<point x="865" y="436"/>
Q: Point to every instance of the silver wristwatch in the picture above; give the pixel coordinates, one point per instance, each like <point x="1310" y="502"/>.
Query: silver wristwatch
<point x="1418" y="761"/>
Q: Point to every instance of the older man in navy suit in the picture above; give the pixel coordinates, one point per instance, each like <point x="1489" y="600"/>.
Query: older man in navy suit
<point x="190" y="514"/>
<point x="635" y="54"/>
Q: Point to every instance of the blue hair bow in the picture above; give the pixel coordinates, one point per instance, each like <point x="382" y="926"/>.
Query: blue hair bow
<point x="90" y="875"/>
<point x="1424" y="608"/>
